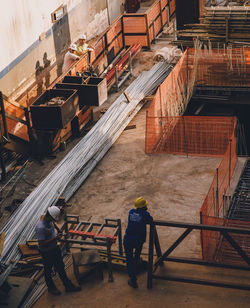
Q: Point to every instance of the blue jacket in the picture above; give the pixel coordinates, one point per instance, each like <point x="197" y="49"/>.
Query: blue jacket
<point x="136" y="229"/>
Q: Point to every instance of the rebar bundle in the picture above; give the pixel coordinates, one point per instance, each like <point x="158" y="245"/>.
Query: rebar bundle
<point x="70" y="173"/>
<point x="230" y="24"/>
<point x="40" y="287"/>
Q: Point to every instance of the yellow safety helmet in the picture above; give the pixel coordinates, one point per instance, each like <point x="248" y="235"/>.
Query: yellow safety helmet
<point x="140" y="203"/>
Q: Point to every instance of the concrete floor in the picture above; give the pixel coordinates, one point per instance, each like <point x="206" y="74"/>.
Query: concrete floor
<point x="98" y="294"/>
<point x="175" y="187"/>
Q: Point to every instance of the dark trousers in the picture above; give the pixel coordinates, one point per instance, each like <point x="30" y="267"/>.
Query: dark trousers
<point x="53" y="258"/>
<point x="132" y="251"/>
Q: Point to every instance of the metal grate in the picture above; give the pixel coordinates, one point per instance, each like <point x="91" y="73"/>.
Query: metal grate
<point x="240" y="205"/>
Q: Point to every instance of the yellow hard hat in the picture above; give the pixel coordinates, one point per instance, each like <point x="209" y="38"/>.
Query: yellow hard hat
<point x="140" y="203"/>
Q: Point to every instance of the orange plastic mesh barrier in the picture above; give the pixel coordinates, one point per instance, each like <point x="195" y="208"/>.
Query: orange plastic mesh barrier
<point x="190" y="135"/>
<point x="174" y="93"/>
<point x="224" y="67"/>
<point x="229" y="67"/>
<point x="216" y="248"/>
<point x="213" y="201"/>
<point x="168" y="132"/>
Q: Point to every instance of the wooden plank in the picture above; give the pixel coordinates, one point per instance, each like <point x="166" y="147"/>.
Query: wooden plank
<point x="115" y="29"/>
<point x="127" y="96"/>
<point x="117" y="45"/>
<point x="154" y="13"/>
<point x="130" y="127"/>
<point x="164" y="3"/>
<point x="27" y="251"/>
<point x="158" y="26"/>
<point x="131" y="40"/>
<point x="148" y="32"/>
<point x="171" y="7"/>
<point x="83" y="63"/>
<point x="165" y="17"/>
<point x="134" y="25"/>
<point x="2" y="237"/>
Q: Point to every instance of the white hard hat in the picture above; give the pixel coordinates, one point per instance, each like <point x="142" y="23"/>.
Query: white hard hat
<point x="83" y="37"/>
<point x="54" y="212"/>
<point x="73" y="47"/>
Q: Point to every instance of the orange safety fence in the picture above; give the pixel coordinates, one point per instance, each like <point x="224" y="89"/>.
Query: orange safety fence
<point x="168" y="131"/>
<point x="174" y="93"/>
<point x="211" y="208"/>
<point x="215" y="248"/>
<point x="189" y="135"/>
<point x="224" y="67"/>
<point x="196" y="68"/>
<point x="213" y="201"/>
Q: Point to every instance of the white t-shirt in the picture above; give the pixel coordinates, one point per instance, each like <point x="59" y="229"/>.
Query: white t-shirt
<point x="69" y="58"/>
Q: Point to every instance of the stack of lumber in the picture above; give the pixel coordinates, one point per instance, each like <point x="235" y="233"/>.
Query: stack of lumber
<point x="30" y="257"/>
<point x="219" y="24"/>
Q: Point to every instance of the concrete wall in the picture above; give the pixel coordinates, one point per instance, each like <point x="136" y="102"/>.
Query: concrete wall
<point x="33" y="47"/>
<point x="113" y="9"/>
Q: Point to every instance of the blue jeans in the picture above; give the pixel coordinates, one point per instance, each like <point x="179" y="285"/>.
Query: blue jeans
<point x="132" y="251"/>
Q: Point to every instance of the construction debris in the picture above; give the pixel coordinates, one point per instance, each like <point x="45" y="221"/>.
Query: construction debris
<point x="169" y="54"/>
<point x="55" y="101"/>
<point x="130" y="127"/>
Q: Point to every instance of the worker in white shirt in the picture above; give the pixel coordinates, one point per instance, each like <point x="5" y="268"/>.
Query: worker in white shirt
<point x="82" y="46"/>
<point x="70" y="57"/>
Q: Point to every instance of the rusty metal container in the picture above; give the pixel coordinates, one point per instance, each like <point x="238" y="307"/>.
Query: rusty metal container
<point x="92" y="91"/>
<point x="48" y="115"/>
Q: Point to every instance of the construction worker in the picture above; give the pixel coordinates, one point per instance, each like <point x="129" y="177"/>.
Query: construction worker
<point x="70" y="57"/>
<point x="135" y="236"/>
<point x="50" y="252"/>
<point x="82" y="46"/>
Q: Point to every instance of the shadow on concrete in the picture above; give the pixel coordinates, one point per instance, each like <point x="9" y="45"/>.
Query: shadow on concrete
<point x="61" y="36"/>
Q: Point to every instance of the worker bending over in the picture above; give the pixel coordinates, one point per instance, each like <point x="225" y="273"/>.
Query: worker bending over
<point x="82" y="46"/>
<point x="135" y="236"/>
<point x="50" y="252"/>
<point x="70" y="57"/>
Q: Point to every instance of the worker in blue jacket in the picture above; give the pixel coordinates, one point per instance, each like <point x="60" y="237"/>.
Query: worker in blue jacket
<point x="135" y="237"/>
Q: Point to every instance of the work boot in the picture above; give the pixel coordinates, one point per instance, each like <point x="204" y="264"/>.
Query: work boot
<point x="133" y="284"/>
<point x="54" y="291"/>
<point x="72" y="288"/>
